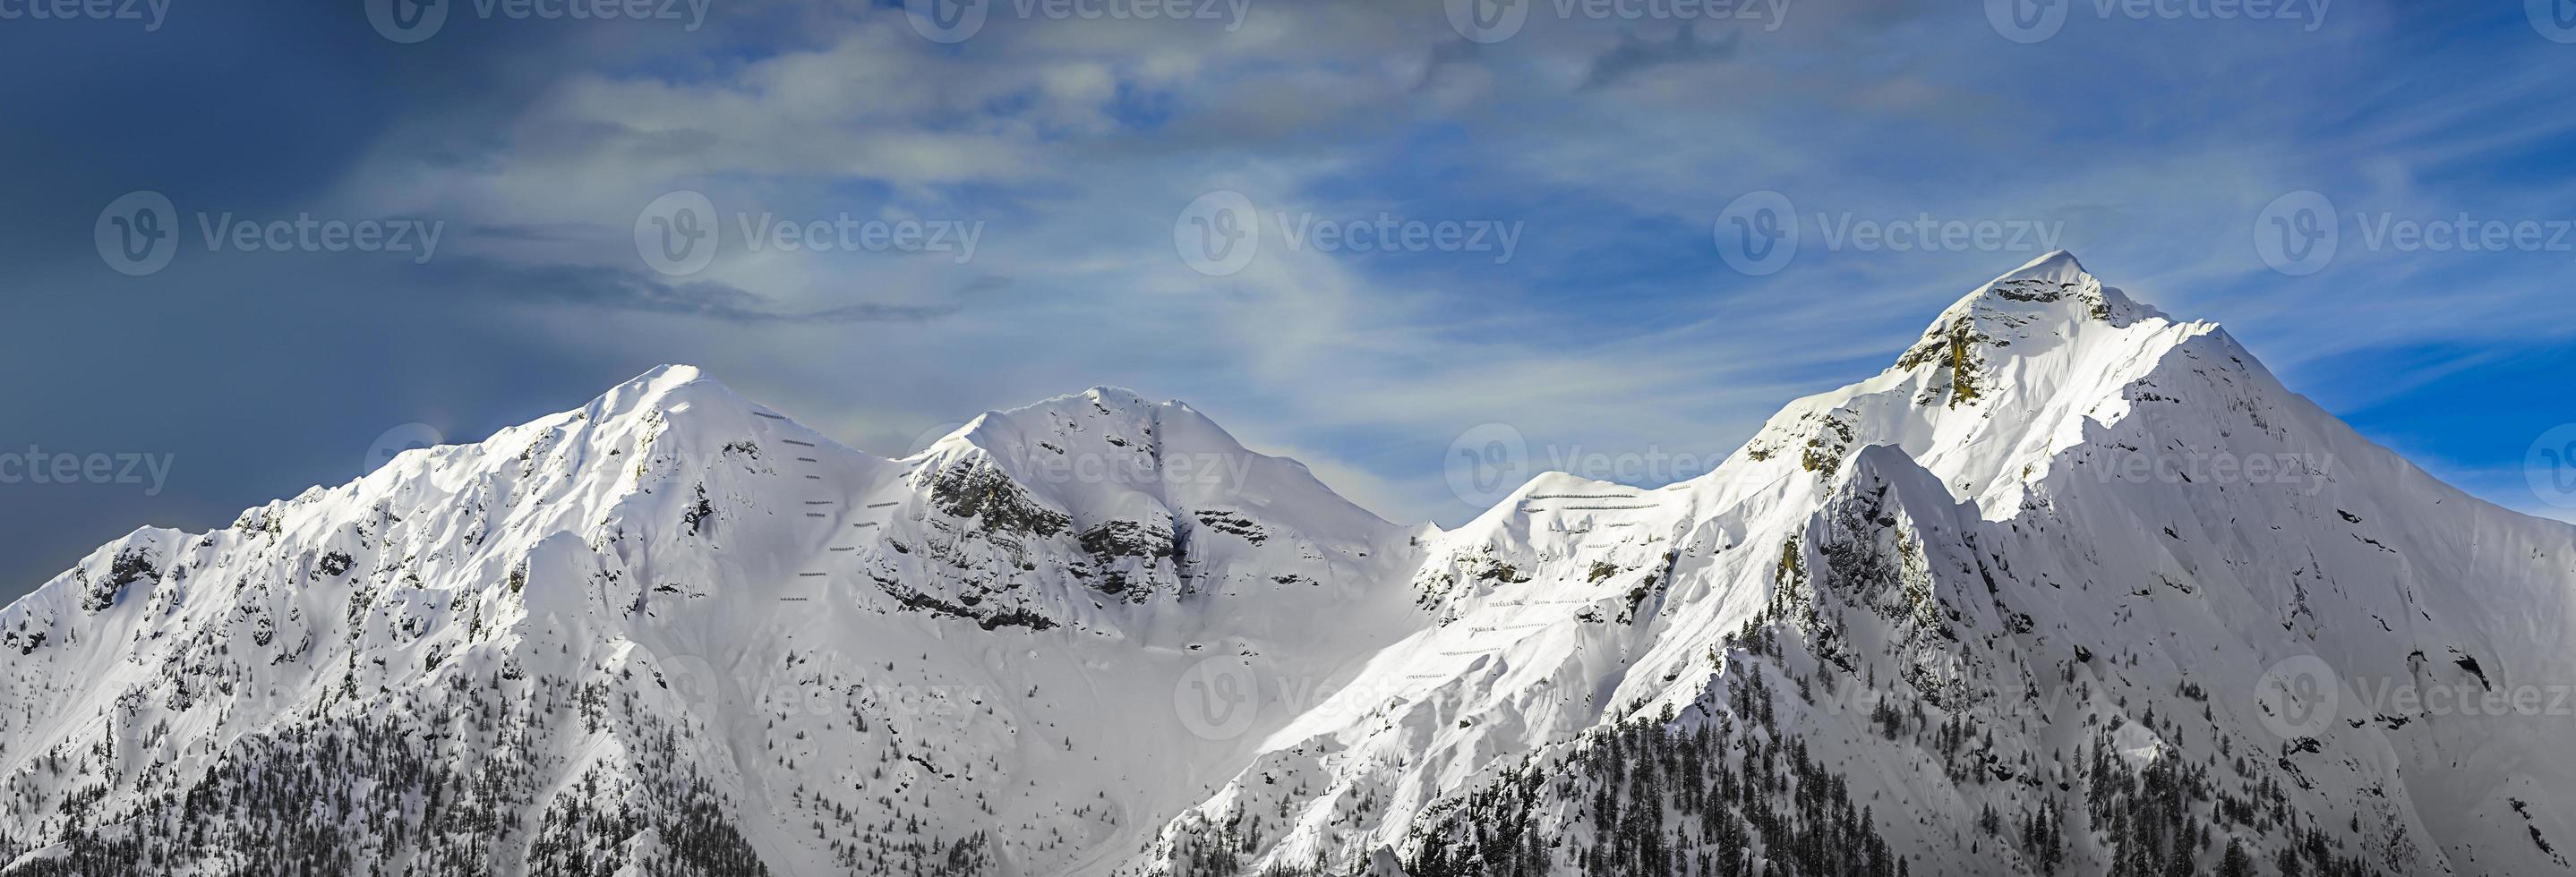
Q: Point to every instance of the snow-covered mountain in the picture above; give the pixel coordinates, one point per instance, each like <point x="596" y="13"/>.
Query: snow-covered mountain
<point x="2071" y="588"/>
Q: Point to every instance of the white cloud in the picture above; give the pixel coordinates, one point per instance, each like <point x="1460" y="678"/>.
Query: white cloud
<point x="1076" y="144"/>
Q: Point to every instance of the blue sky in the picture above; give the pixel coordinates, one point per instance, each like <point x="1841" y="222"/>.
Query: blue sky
<point x="2156" y="140"/>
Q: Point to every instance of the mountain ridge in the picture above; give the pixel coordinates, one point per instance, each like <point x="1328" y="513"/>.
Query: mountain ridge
<point x="1991" y="610"/>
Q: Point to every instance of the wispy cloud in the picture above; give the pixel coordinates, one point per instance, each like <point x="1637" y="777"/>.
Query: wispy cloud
<point x="1609" y="147"/>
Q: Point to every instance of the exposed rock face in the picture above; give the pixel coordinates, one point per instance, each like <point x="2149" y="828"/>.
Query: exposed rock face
<point x="2018" y="604"/>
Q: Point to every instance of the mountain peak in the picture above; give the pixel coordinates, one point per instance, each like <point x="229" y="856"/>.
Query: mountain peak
<point x="1100" y="618"/>
<point x="2055" y="284"/>
<point x="1103" y="453"/>
<point x="2003" y="380"/>
<point x="681" y="394"/>
<point x="675" y="371"/>
<point x="668" y="385"/>
<point x="2054" y="266"/>
<point x="1117" y="408"/>
<point x="1105" y="400"/>
<point x="2047" y="301"/>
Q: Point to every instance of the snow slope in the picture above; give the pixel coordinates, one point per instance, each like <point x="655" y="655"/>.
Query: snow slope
<point x="676" y="612"/>
<point x="2038" y="566"/>
<point x="2067" y="589"/>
